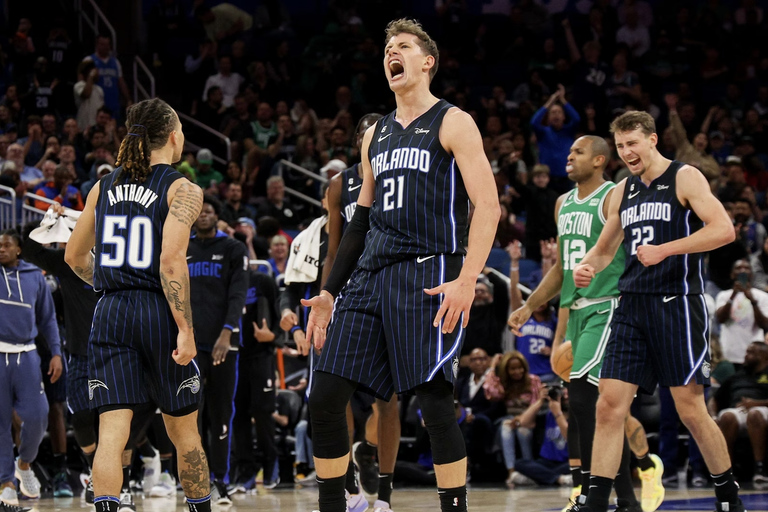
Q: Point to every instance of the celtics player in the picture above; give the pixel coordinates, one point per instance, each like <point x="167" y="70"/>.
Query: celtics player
<point x="580" y="215"/>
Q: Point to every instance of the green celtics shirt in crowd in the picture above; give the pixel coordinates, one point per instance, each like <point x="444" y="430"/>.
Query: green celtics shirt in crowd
<point x="579" y="224"/>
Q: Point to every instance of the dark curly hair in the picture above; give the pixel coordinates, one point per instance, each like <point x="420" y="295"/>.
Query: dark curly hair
<point x="149" y="124"/>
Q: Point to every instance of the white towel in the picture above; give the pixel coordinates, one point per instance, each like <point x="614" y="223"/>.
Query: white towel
<point x="304" y="257"/>
<point x="55" y="228"/>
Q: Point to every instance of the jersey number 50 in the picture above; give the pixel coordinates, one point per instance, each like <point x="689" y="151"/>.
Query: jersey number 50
<point x="137" y="245"/>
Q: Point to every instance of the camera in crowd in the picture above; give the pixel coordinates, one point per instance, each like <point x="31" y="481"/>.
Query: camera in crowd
<point x="555" y="392"/>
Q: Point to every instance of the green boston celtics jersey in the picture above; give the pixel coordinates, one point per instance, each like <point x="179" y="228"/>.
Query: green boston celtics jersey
<point x="579" y="223"/>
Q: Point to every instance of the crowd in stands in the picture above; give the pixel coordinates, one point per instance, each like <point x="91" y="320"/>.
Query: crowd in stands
<point x="533" y="80"/>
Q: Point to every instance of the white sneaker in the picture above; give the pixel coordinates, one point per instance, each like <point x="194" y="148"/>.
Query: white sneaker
<point x="165" y="487"/>
<point x="29" y="485"/>
<point x="151" y="473"/>
<point x="520" y="479"/>
<point x="126" y="502"/>
<point x="9" y="496"/>
<point x="356" y="502"/>
<point x="381" y="506"/>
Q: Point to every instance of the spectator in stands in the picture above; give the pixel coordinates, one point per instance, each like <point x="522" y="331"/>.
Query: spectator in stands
<point x="49" y="167"/>
<point x="741" y="404"/>
<point x="734" y="179"/>
<point x="722" y="259"/>
<point x="540" y="211"/>
<point x="753" y="233"/>
<point x="276" y="205"/>
<point x="211" y="112"/>
<point x="556" y="136"/>
<point x="27" y="310"/>
<point x="29" y="175"/>
<point x="278" y="254"/>
<point x="34" y="141"/>
<point x="102" y="169"/>
<point x="198" y="68"/>
<point x="237" y="126"/>
<point x="693" y="154"/>
<point x="759" y="264"/>
<point x="258" y="247"/>
<point x="487" y="317"/>
<point x="264" y="129"/>
<point x="234" y="207"/>
<point x="6" y="123"/>
<point x="110" y="75"/>
<point x="633" y="34"/>
<point x="742" y="312"/>
<point x="206" y="175"/>
<point x="52" y="147"/>
<point x="338" y="145"/>
<point x="224" y="22"/>
<point x="622" y="87"/>
<point x="481" y="412"/>
<point x="68" y="158"/>
<point x="89" y="96"/>
<point x="228" y="81"/>
<point x="512" y="384"/>
<point x="61" y="191"/>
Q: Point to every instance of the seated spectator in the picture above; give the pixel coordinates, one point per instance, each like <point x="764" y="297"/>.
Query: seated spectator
<point x="61" y="191"/>
<point x="29" y="175"/>
<point x="753" y="233"/>
<point x="102" y="169"/>
<point x="487" y="317"/>
<point x="742" y="313"/>
<point x="276" y="205"/>
<point x="48" y="168"/>
<point x="741" y="405"/>
<point x="211" y="111"/>
<point x="206" y="175"/>
<point x="512" y="384"/>
<point x="34" y="142"/>
<point x="722" y="259"/>
<point x="68" y="158"/>
<point x="551" y="467"/>
<point x="52" y="147"/>
<point x="234" y="208"/>
<point x="223" y="22"/>
<point x="228" y="81"/>
<point x="540" y="203"/>
<point x="278" y="254"/>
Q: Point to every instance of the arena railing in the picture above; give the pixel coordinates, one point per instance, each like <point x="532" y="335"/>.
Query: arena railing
<point x="95" y="22"/>
<point x="138" y="64"/>
<point x="223" y="138"/>
<point x="7" y="207"/>
<point x="507" y="338"/>
<point x="29" y="212"/>
<point x="306" y="172"/>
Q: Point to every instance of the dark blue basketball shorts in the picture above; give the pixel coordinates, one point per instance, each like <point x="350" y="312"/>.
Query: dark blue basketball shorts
<point x="129" y="354"/>
<point x="381" y="335"/>
<point x="658" y="339"/>
<point x="77" y="384"/>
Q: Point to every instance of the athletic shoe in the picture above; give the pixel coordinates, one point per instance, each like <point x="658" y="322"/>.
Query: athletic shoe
<point x="520" y="479"/>
<point x="381" y="506"/>
<point x="575" y="493"/>
<point x="274" y="478"/>
<point x="29" y="485"/>
<point x="126" y="502"/>
<point x="356" y="502"/>
<point x="166" y="486"/>
<point x="630" y="508"/>
<point x="4" y="507"/>
<point x="730" y="507"/>
<point x="9" y="496"/>
<point x="244" y="487"/>
<point x="565" y="480"/>
<point x="219" y="494"/>
<point x="698" y="480"/>
<point x="61" y="487"/>
<point x="368" y="468"/>
<point x="307" y="476"/>
<point x="151" y="472"/>
<point x="760" y="481"/>
<point x="578" y="504"/>
<point x="652" y="492"/>
<point x="89" y="492"/>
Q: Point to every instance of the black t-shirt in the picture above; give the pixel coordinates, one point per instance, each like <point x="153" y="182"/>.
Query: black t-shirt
<point x="742" y="385"/>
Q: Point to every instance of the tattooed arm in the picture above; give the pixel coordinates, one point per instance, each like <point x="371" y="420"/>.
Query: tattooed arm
<point x="184" y="208"/>
<point x="78" y="254"/>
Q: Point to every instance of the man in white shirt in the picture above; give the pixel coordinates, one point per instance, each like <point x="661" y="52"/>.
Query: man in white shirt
<point x="228" y="81"/>
<point x="634" y="35"/>
<point x="89" y="96"/>
<point x="742" y="312"/>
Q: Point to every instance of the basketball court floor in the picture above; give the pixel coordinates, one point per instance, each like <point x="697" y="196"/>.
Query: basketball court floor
<point x="526" y="499"/>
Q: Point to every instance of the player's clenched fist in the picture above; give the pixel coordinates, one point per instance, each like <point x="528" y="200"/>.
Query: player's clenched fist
<point x="583" y="274"/>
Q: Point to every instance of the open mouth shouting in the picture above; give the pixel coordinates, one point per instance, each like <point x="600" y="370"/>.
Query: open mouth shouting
<point x="396" y="69"/>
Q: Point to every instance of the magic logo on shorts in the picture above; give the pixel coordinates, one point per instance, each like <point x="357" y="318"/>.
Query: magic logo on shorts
<point x="93" y="384"/>
<point x="193" y="383"/>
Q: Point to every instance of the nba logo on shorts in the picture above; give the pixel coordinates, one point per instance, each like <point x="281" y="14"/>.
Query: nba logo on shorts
<point x="193" y="383"/>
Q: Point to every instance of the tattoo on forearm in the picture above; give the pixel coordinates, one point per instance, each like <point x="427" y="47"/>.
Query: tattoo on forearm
<point x="174" y="292"/>
<point x="187" y="203"/>
<point x="194" y="475"/>
<point x="86" y="273"/>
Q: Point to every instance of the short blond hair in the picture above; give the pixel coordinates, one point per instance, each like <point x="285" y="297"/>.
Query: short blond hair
<point x="634" y="120"/>
<point x="413" y="27"/>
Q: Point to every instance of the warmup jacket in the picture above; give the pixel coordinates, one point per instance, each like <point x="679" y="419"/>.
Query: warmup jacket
<point x="26" y="309"/>
<point x="219" y="281"/>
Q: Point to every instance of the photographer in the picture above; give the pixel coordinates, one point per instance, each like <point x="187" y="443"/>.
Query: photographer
<point x="742" y="312"/>
<point x="551" y="467"/>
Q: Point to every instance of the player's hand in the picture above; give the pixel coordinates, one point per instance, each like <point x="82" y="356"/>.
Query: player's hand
<point x="650" y="255"/>
<point x="185" y="348"/>
<point x="221" y="347"/>
<point x="518" y="318"/>
<point x="288" y="320"/>
<point x="55" y="368"/>
<point x="263" y="334"/>
<point x="583" y="274"/>
<point x="319" y="318"/>
<point x="457" y="299"/>
<point x="300" y="338"/>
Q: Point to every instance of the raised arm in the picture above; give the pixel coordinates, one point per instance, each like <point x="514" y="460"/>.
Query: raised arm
<point x="78" y="254"/>
<point x="693" y="191"/>
<point x="601" y="255"/>
<point x="184" y="208"/>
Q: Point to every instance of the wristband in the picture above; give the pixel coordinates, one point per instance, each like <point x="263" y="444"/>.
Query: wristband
<point x="514" y="269"/>
<point x="294" y="329"/>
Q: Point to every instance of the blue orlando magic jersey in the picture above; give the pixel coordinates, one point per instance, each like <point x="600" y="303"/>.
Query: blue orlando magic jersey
<point x="129" y="228"/>
<point x="350" y="191"/>
<point x="653" y="215"/>
<point x="421" y="204"/>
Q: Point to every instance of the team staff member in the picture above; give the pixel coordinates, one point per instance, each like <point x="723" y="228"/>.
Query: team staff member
<point x="218" y="279"/>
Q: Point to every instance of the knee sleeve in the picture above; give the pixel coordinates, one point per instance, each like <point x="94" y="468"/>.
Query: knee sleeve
<point x="84" y="427"/>
<point x="437" y="409"/>
<point x="327" y="410"/>
<point x="582" y="400"/>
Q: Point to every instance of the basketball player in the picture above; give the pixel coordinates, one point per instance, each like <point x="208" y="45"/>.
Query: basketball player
<point x="580" y="216"/>
<point x="383" y="426"/>
<point x="667" y="216"/>
<point x="139" y="218"/>
<point x="399" y="324"/>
